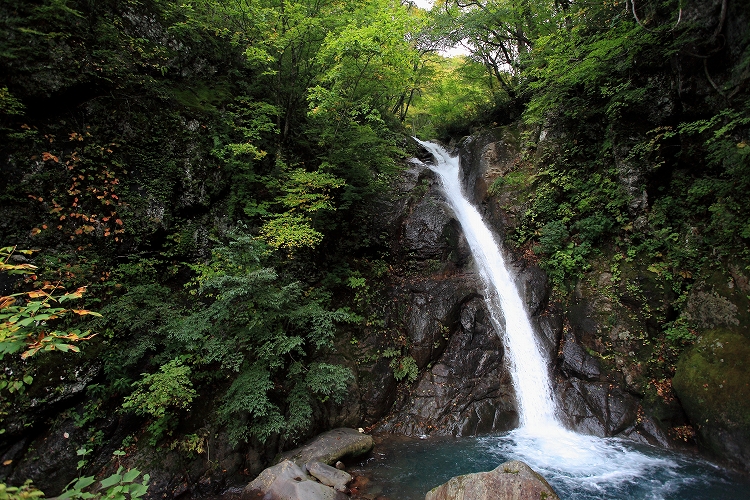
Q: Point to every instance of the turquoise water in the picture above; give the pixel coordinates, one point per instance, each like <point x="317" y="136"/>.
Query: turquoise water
<point x="406" y="469"/>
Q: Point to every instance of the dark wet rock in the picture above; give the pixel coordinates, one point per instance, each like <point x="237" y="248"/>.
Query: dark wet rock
<point x="377" y="386"/>
<point x="431" y="306"/>
<point x="424" y="229"/>
<point x="330" y="447"/>
<point x="533" y="288"/>
<point x="597" y="408"/>
<point x="53" y="461"/>
<point x="512" y="480"/>
<point x="576" y="361"/>
<point x="485" y="156"/>
<point x="549" y="326"/>
<point x="648" y="430"/>
<point x="468" y="390"/>
<point x="576" y="408"/>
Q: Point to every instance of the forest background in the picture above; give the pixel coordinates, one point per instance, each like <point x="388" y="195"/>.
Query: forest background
<point x="197" y="179"/>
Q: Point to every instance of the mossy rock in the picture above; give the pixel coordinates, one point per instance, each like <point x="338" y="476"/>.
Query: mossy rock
<point x="712" y="382"/>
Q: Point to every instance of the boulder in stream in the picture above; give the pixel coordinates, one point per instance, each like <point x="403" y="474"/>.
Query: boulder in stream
<point x="289" y="479"/>
<point x="331" y="446"/>
<point x="511" y="480"/>
<point x="330" y="476"/>
<point x="286" y="480"/>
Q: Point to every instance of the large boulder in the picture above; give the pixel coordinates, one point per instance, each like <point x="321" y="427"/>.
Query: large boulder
<point x="512" y="480"/>
<point x="330" y="447"/>
<point x="712" y="383"/>
<point x="287" y="481"/>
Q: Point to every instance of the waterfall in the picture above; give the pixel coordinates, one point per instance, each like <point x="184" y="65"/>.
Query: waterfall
<point x="584" y="467"/>
<point x="536" y="405"/>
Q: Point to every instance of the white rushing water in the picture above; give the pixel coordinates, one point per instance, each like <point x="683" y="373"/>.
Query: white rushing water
<point x="536" y="406"/>
<point x="541" y="441"/>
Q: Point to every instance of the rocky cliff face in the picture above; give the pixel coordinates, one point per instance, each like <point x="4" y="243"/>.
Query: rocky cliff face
<point x="435" y="302"/>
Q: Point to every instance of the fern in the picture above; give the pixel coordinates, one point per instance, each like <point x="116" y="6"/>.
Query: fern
<point x="263" y="334"/>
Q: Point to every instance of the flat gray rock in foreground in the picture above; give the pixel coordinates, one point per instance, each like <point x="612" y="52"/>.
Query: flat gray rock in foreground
<point x="287" y="481"/>
<point x="512" y="480"/>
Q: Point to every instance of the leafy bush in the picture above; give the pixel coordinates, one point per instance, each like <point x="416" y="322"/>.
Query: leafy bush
<point x="157" y="393"/>
<point x="553" y="235"/>
<point x="264" y="334"/>
<point x="27" y="319"/>
<point x="405" y="368"/>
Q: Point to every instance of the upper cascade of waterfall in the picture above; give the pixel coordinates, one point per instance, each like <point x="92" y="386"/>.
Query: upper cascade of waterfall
<point x="528" y="368"/>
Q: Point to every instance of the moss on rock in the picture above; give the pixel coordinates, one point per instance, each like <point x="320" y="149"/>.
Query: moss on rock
<point x="713" y="383"/>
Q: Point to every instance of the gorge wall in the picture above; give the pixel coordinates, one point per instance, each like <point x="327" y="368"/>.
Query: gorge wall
<point x="598" y="337"/>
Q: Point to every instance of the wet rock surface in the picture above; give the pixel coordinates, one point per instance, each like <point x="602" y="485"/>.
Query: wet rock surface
<point x="305" y="473"/>
<point x="513" y="480"/>
<point x="467" y="391"/>
<point x="330" y="476"/>
<point x="331" y="446"/>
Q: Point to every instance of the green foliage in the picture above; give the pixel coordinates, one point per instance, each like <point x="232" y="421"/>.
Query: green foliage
<point x="553" y="234"/>
<point x="27" y="319"/>
<point x="404" y="367"/>
<point x="303" y="194"/>
<point x="456" y="93"/>
<point x="121" y="485"/>
<point x="679" y="334"/>
<point x="9" y="105"/>
<point x="515" y="179"/>
<point x="262" y="332"/>
<point x="25" y="492"/>
<point x="157" y="393"/>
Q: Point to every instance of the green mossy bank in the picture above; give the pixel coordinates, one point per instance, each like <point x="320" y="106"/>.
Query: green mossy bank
<point x="712" y="381"/>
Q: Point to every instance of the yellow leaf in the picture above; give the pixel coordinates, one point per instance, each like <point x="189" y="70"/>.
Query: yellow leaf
<point x="82" y="312"/>
<point x="6" y="301"/>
